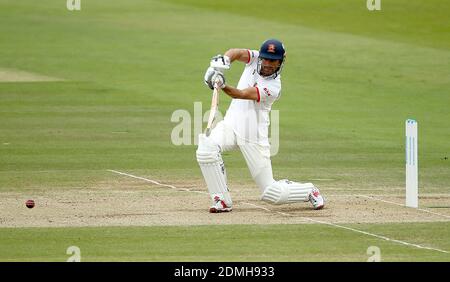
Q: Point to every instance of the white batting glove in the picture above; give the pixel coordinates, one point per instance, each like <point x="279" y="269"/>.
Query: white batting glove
<point x="218" y="79"/>
<point x="208" y="77"/>
<point x="220" y="63"/>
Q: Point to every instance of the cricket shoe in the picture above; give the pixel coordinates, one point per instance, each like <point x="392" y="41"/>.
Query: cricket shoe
<point x="219" y="206"/>
<point x="316" y="199"/>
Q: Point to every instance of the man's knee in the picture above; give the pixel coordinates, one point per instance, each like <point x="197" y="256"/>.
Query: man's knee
<point x="208" y="151"/>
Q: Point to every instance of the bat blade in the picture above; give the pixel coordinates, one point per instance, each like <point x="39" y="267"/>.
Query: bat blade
<point x="213" y="111"/>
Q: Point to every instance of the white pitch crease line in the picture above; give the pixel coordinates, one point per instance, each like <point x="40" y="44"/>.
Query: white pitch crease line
<point x="392" y="203"/>
<point x="290" y="215"/>
<point x="364" y="189"/>
<point x="354" y="230"/>
<point x="155" y="182"/>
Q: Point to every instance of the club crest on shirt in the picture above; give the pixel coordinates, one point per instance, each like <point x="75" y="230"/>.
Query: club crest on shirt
<point x="267" y="91"/>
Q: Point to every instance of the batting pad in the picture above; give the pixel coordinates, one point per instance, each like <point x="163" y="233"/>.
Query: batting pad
<point x="285" y="192"/>
<point x="213" y="168"/>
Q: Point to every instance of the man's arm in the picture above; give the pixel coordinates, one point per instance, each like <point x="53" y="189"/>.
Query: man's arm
<point x="251" y="93"/>
<point x="241" y="55"/>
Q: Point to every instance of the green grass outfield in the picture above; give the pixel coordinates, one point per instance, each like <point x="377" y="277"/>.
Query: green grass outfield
<point x="351" y="79"/>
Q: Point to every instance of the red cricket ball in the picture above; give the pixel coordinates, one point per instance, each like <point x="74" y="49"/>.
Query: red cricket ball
<point x="30" y="204"/>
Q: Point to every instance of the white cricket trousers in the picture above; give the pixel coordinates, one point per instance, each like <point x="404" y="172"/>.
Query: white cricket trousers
<point x="256" y="156"/>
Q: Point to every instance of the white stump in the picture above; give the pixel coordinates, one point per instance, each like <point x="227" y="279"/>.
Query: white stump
<point x="412" y="176"/>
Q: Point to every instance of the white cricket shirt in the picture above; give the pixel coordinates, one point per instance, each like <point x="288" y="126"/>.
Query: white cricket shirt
<point x="248" y="118"/>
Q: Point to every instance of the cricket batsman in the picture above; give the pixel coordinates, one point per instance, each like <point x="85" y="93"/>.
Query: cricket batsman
<point x="246" y="127"/>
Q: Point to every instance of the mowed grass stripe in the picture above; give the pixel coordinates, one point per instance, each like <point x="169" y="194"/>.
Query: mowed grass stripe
<point x="393" y="22"/>
<point x="222" y="243"/>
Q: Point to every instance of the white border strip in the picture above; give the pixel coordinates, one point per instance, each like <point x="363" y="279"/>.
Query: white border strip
<point x="291" y="215"/>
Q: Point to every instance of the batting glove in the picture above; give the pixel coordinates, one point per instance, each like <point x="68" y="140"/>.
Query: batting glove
<point x="219" y="79"/>
<point x="208" y="77"/>
<point x="220" y="63"/>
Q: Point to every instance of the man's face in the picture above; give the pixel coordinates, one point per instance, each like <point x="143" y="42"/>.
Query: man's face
<point x="269" y="67"/>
